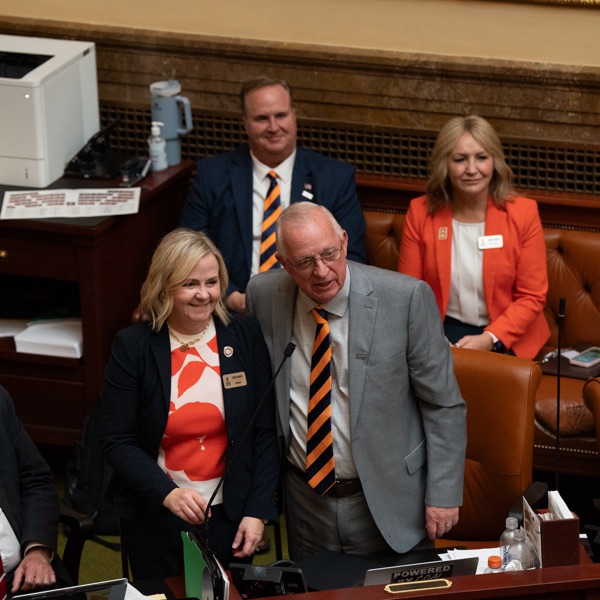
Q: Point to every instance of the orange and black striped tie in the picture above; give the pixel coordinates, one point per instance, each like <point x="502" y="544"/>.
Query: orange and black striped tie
<point x="320" y="466"/>
<point x="271" y="212"/>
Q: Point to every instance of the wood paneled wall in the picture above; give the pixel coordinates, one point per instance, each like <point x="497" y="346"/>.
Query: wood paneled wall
<point x="384" y="104"/>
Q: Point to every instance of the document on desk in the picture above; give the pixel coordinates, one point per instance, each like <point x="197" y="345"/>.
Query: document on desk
<point x="482" y="554"/>
<point x="43" y="204"/>
<point x="132" y="593"/>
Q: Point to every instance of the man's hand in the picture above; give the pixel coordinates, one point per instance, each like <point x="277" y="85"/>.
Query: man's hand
<point x="236" y="301"/>
<point x="187" y="504"/>
<point x="247" y="537"/>
<point x="35" y="571"/>
<point x="440" y="520"/>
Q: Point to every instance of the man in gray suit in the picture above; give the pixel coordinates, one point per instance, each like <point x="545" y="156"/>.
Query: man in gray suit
<point x="396" y="415"/>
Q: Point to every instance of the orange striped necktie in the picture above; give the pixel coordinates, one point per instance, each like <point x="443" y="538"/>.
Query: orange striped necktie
<point x="271" y="212"/>
<point x="320" y="465"/>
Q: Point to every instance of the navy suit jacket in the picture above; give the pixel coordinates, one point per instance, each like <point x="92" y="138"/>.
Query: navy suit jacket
<point x="134" y="412"/>
<point x="220" y="204"/>
<point x="27" y="492"/>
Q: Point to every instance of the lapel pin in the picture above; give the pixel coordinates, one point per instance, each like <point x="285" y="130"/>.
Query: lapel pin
<point x="228" y="351"/>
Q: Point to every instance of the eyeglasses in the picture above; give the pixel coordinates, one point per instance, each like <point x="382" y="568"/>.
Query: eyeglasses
<point x="310" y="262"/>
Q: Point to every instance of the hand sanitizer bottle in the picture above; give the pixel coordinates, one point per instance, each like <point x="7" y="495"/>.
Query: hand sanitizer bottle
<point x="157" y="146"/>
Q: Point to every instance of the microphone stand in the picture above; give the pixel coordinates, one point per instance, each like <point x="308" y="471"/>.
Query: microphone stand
<point x="561" y="316"/>
<point x="205" y="535"/>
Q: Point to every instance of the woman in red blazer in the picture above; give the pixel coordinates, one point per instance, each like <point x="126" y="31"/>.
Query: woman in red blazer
<point x="478" y="245"/>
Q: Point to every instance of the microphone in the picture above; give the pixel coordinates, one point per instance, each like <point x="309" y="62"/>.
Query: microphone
<point x="289" y="350"/>
<point x="561" y="315"/>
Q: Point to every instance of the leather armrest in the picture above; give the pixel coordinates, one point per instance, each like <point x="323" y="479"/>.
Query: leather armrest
<point x="536" y="495"/>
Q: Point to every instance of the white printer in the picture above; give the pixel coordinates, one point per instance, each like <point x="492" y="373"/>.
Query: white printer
<point x="48" y="107"/>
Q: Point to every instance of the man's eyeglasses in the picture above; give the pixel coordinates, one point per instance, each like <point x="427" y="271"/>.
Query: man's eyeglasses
<point x="310" y="262"/>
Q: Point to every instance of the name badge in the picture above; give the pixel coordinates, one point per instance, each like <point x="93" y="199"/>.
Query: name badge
<point x="308" y="195"/>
<point x="233" y="380"/>
<point x="485" y="242"/>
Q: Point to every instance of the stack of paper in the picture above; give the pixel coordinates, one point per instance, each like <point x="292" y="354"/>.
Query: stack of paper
<point x="482" y="554"/>
<point x="557" y="507"/>
<point x="60" y="337"/>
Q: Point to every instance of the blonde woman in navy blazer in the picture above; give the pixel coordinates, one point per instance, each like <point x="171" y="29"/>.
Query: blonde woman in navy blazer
<point x="137" y="403"/>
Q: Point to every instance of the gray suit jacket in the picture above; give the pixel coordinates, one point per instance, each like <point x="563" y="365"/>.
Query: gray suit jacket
<point x="407" y="415"/>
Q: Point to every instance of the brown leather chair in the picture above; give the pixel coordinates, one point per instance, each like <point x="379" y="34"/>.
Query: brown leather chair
<point x="500" y="394"/>
<point x="591" y="397"/>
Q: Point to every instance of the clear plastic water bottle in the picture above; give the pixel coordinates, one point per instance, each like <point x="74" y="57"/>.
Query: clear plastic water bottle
<point x="494" y="565"/>
<point x="507" y="538"/>
<point x="521" y="550"/>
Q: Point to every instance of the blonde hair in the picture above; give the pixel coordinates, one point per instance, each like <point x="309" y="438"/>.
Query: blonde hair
<point x="172" y="262"/>
<point x="439" y="188"/>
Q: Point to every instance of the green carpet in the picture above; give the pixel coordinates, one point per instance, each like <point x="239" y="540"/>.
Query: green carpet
<point x="99" y="563"/>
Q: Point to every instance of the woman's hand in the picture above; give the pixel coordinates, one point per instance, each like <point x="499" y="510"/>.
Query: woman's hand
<point x="186" y="504"/>
<point x="247" y="537"/>
<point x="483" y="341"/>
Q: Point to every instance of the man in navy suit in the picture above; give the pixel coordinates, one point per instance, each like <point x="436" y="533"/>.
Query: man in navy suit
<point x="227" y="195"/>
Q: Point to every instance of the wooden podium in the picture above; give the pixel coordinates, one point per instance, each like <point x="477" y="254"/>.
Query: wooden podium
<point x="106" y="259"/>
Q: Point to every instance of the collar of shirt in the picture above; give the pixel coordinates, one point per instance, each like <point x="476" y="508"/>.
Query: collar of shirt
<point x="284" y="170"/>
<point x="337" y="306"/>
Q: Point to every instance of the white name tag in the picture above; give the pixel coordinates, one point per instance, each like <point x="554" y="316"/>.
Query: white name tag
<point x="308" y="195"/>
<point x="233" y="380"/>
<point x="485" y="242"/>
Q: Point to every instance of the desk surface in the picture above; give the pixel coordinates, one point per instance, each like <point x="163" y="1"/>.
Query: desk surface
<point x="573" y="582"/>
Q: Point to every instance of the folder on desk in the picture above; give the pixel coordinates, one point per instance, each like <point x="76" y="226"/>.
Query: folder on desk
<point x="553" y="533"/>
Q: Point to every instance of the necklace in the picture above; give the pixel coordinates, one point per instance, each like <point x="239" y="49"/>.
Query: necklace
<point x="186" y="345"/>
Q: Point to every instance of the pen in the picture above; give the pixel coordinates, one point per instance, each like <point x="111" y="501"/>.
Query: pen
<point x="551" y="355"/>
<point x="146" y="169"/>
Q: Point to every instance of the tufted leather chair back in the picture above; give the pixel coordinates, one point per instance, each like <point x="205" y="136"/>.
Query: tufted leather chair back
<point x="591" y="397"/>
<point x="500" y="394"/>
<point x="573" y="259"/>
<point x="382" y="239"/>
